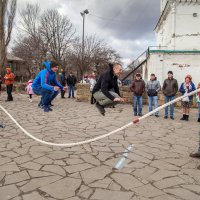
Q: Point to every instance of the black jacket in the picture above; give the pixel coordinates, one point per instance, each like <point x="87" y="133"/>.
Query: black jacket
<point x="71" y="80"/>
<point x="170" y="87"/>
<point x="106" y="83"/>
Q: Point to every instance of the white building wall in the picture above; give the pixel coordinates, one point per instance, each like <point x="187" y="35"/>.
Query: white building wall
<point x="181" y="32"/>
<point x="188" y="27"/>
<point x="161" y="63"/>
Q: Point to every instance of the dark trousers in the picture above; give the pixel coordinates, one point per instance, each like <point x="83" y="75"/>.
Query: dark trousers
<point x="9" y="92"/>
<point x="62" y="93"/>
<point x="47" y="95"/>
<point x="70" y="90"/>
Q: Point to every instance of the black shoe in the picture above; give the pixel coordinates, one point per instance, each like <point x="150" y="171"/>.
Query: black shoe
<point x="68" y="96"/>
<point x="135" y="114"/>
<point x="195" y="155"/>
<point x="165" y="117"/>
<point x="140" y="114"/>
<point x="156" y="115"/>
<point x="184" y="117"/>
<point x="50" y="109"/>
<point x="2" y="126"/>
<point x="198" y="167"/>
<point x="50" y="105"/>
<point x="100" y="108"/>
<point x="172" y="117"/>
<point x="198" y="120"/>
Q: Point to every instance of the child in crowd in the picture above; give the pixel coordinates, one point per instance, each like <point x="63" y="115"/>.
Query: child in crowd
<point x="29" y="90"/>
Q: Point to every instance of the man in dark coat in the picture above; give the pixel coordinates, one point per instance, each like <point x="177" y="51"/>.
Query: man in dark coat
<point x="71" y="82"/>
<point x="106" y="91"/>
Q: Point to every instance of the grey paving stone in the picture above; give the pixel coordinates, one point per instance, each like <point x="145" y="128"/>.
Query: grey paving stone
<point x="17" y="177"/>
<point x="62" y="189"/>
<point x="8" y="192"/>
<point x="102" y="194"/>
<point x="122" y="180"/>
<point x="33" y="196"/>
<point x="54" y="169"/>
<point x="39" y="182"/>
<point x="94" y="174"/>
<point x="182" y="193"/>
<point x="148" y="191"/>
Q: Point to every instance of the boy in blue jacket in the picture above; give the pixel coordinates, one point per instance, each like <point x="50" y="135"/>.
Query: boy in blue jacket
<point x="46" y="85"/>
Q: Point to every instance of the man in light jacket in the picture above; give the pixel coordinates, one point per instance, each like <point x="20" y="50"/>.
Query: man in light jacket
<point x="153" y="87"/>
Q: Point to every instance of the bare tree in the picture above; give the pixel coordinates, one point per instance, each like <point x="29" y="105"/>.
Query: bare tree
<point x="7" y="15"/>
<point x="58" y="33"/>
<point x="97" y="55"/>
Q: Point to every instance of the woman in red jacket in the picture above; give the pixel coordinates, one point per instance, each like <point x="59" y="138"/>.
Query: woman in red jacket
<point x="9" y="80"/>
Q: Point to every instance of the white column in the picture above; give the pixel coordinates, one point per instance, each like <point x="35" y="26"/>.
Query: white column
<point x="173" y="33"/>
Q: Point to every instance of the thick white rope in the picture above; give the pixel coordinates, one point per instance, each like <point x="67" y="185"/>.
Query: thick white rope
<point x="99" y="137"/>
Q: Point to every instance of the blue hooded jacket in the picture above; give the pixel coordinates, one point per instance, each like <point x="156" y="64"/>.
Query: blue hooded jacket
<point x="46" y="79"/>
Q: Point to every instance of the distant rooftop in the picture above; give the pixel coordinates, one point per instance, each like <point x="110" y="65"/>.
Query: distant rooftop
<point x="11" y="57"/>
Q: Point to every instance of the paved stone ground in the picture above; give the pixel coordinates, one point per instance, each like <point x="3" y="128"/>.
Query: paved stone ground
<point x="159" y="168"/>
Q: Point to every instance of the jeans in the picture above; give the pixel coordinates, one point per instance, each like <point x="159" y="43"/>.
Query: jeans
<point x="153" y="100"/>
<point x="167" y="99"/>
<point x="9" y="92"/>
<point x="47" y="95"/>
<point x="70" y="90"/>
<point x="199" y="108"/>
<point x="137" y="105"/>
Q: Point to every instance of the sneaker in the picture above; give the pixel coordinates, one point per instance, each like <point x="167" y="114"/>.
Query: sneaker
<point x="165" y="117"/>
<point x="46" y="108"/>
<point x="50" y="109"/>
<point x="100" y="108"/>
<point x="140" y="114"/>
<point x="135" y="114"/>
<point x="172" y="118"/>
<point x="2" y="126"/>
<point x="156" y="115"/>
<point x="30" y="100"/>
<point x="195" y="155"/>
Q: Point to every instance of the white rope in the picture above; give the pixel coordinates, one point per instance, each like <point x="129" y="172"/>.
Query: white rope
<point x="99" y="137"/>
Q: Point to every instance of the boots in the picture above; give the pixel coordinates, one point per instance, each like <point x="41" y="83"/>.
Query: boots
<point x="198" y="120"/>
<point x="184" y="117"/>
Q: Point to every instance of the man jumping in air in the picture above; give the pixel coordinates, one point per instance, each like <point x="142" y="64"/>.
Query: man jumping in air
<point x="106" y="90"/>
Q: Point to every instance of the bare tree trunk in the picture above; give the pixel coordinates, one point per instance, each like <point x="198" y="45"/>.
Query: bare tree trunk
<point x="5" y="31"/>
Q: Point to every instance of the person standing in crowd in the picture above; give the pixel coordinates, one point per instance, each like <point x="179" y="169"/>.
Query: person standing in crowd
<point x="63" y="82"/>
<point x="46" y="84"/>
<point x="29" y="89"/>
<point x="0" y="84"/>
<point x="71" y="82"/>
<point x="153" y="87"/>
<point x="170" y="88"/>
<point x="92" y="82"/>
<point x="138" y="88"/>
<point x="198" y="102"/>
<point x="106" y="91"/>
<point x="9" y="80"/>
<point x="187" y="87"/>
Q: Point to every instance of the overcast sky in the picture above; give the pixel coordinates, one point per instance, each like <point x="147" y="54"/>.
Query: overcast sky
<point x="126" y="25"/>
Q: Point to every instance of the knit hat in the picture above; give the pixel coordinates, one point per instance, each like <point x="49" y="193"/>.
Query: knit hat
<point x="189" y="76"/>
<point x="170" y="72"/>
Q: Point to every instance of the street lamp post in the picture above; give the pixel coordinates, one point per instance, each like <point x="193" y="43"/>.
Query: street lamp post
<point x="83" y="15"/>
